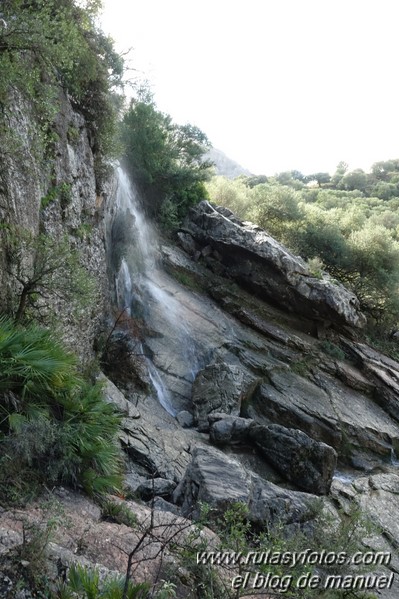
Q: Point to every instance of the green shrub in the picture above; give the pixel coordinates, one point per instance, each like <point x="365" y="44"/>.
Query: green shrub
<point x="117" y="512"/>
<point x="165" y="159"/>
<point x="332" y="350"/>
<point x="40" y="35"/>
<point x="47" y="270"/>
<point x="86" y="583"/>
<point x="54" y="427"/>
<point x="238" y="537"/>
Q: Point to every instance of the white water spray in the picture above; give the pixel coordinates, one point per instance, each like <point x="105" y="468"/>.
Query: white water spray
<point x="140" y="284"/>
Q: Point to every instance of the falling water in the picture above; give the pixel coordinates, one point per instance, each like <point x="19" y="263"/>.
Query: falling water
<point x="124" y="288"/>
<point x="394" y="458"/>
<point x="344" y="477"/>
<point x="140" y="284"/>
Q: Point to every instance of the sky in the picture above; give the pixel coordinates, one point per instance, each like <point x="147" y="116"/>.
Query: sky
<point x="275" y="84"/>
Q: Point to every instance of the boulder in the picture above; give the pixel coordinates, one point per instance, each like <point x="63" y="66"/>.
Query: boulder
<point x="327" y="410"/>
<point x="220" y="481"/>
<point x="263" y="265"/>
<point x="160" y="487"/>
<point x="220" y="387"/>
<point x="307" y="463"/>
<point x="228" y="430"/>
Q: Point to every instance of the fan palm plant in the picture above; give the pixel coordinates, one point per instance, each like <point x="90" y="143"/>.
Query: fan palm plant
<point x="51" y="420"/>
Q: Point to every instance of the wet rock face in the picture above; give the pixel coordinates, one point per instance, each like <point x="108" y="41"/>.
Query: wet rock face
<point x="261" y="264"/>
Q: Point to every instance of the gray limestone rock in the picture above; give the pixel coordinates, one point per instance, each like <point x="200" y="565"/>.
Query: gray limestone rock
<point x="220" y="387"/>
<point x="227" y="430"/>
<point x="161" y="487"/>
<point x="327" y="410"/>
<point x="263" y="265"/>
<point x="185" y="419"/>
<point x="218" y="480"/>
<point x="162" y="505"/>
<point x="309" y="464"/>
<point x="116" y="397"/>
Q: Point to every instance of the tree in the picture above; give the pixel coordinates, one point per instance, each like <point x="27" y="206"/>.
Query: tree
<point x="165" y="159"/>
<point x="384" y="169"/>
<point x="274" y="207"/>
<point x="293" y="178"/>
<point x="342" y="168"/>
<point x="233" y="194"/>
<point x="320" y="178"/>
<point x="356" y="179"/>
<point x="45" y="269"/>
<point x="255" y="180"/>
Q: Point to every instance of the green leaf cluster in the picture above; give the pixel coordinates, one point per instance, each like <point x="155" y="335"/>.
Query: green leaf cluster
<point x="52" y="45"/>
<point x="54" y="426"/>
<point x="165" y="160"/>
<point x="86" y="583"/>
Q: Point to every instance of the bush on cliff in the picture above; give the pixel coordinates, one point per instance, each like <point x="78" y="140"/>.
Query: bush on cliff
<point x="165" y="160"/>
<point x="51" y="45"/>
<point x="54" y="426"/>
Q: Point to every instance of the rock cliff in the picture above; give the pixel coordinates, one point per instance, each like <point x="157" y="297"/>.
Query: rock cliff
<point x="50" y="188"/>
<point x="240" y="375"/>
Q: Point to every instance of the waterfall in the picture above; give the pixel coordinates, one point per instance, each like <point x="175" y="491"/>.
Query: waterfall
<point x="123" y="288"/>
<point x="394" y="458"/>
<point x="141" y="287"/>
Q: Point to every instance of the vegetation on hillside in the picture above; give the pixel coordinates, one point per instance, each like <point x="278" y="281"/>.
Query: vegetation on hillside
<point x="347" y="224"/>
<point x="165" y="160"/>
<point x="51" y="45"/>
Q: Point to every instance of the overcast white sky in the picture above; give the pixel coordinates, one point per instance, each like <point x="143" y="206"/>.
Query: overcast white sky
<point x="275" y="84"/>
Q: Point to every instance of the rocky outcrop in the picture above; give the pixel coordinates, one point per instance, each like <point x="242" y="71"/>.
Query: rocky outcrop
<point x="254" y="259"/>
<point x="307" y="463"/>
<point x="328" y="411"/>
<point x="113" y="395"/>
<point x="219" y="481"/>
<point x="382" y="372"/>
<point x="52" y="189"/>
<point x="156" y="487"/>
<point x="220" y="387"/>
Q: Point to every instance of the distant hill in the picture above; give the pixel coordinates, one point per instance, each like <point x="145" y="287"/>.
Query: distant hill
<point x="225" y="166"/>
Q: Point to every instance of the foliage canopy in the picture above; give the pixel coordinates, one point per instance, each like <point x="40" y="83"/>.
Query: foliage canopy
<point x="165" y="159"/>
<point x="51" y="45"/>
